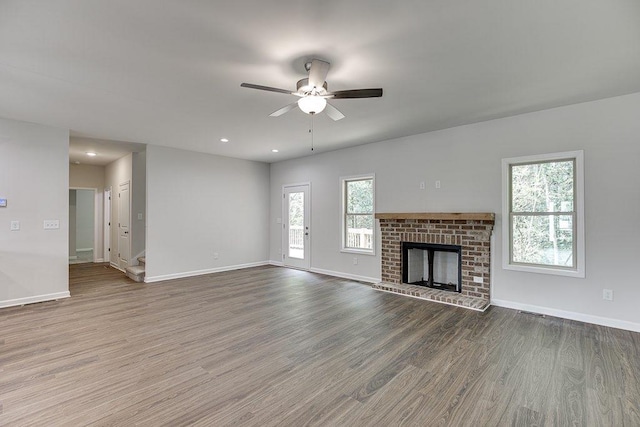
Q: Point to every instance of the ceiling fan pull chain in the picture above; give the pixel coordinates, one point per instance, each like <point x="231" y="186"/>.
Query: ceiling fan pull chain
<point x="311" y="131"/>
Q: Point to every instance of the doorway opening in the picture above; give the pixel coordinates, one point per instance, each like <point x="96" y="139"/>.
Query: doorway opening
<point x="296" y="238"/>
<point x="83" y="229"/>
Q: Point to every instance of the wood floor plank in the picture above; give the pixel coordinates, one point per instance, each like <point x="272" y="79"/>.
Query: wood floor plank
<point x="270" y="346"/>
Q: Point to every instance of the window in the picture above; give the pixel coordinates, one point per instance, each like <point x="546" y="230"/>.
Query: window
<point x="543" y="214"/>
<point x="358" y="214"/>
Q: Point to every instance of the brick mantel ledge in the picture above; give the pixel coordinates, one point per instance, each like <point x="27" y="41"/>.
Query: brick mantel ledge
<point x="469" y="216"/>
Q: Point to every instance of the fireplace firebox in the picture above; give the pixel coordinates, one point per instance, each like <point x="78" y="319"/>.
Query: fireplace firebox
<point x="432" y="265"/>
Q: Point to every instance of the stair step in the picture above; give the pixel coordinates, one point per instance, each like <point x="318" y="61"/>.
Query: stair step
<point x="142" y="260"/>
<point x="135" y="273"/>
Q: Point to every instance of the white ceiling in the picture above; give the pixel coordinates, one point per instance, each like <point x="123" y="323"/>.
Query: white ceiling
<point x="106" y="151"/>
<point x="169" y="73"/>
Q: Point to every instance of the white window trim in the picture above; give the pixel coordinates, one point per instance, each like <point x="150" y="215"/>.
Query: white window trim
<point x="343" y="207"/>
<point x="579" y="270"/>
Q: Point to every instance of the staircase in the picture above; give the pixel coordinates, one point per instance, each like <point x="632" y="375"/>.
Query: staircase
<point x="136" y="272"/>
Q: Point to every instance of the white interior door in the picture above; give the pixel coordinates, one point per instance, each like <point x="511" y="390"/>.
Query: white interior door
<point x="124" y="221"/>
<point x="296" y="233"/>
<point x="107" y="225"/>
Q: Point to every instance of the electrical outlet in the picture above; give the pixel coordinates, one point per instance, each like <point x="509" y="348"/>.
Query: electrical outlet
<point x="215" y="255"/>
<point x="355" y="260"/>
<point x="51" y="224"/>
<point x="422" y="185"/>
<point x="477" y="279"/>
<point x="438" y="184"/>
<point x="607" y="294"/>
<point x="15" y="225"/>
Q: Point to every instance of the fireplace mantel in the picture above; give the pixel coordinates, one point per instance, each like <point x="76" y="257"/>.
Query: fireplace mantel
<point x="471" y="231"/>
<point x="465" y="216"/>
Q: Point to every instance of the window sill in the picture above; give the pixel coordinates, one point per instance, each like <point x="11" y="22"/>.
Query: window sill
<point x="357" y="251"/>
<point x="545" y="270"/>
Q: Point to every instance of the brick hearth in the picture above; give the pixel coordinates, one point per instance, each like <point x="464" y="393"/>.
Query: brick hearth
<point x="471" y="231"/>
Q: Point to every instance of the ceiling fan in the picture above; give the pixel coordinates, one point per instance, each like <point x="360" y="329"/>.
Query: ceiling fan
<point x="313" y="92"/>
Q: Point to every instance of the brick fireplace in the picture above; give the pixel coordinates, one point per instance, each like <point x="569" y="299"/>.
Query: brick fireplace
<point x="470" y="231"/>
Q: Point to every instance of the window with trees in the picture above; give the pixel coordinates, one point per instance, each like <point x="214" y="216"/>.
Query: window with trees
<point x="358" y="214"/>
<point x="543" y="226"/>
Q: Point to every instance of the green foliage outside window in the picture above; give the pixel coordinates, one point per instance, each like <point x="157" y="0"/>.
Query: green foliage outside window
<point x="543" y="213"/>
<point x="359" y="215"/>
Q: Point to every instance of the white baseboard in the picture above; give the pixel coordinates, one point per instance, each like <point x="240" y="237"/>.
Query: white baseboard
<point x="334" y="273"/>
<point x="34" y="299"/>
<point x="151" y="279"/>
<point x="116" y="266"/>
<point x="84" y="249"/>
<point x="99" y="260"/>
<point x="345" y="275"/>
<point x="581" y="317"/>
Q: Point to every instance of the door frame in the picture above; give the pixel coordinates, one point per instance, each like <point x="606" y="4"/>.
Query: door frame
<point x="285" y="236"/>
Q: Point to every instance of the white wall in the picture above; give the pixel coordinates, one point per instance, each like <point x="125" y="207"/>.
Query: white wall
<point x="467" y="161"/>
<point x="138" y="204"/>
<point x="34" y="178"/>
<point x="198" y="205"/>
<point x="91" y="176"/>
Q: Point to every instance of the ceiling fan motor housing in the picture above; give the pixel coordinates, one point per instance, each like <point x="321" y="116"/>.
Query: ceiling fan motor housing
<point x="304" y="88"/>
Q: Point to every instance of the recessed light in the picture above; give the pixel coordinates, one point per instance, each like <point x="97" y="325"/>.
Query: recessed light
<point x="274" y="151"/>
<point x="91" y="154"/>
<point x="76" y="162"/>
<point x="224" y="140"/>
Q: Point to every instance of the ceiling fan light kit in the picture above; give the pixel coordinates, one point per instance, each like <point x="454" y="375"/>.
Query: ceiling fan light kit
<point x="313" y="92"/>
<point x="312" y="104"/>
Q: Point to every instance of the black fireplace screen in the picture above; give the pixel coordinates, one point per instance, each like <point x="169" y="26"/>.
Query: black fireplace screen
<point x="432" y="265"/>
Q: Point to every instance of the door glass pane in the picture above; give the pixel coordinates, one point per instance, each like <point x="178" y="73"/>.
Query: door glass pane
<point x="296" y="225"/>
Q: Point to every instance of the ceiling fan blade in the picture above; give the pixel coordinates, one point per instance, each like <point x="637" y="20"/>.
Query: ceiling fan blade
<point x="333" y="112"/>
<point x="356" y="93"/>
<point x="284" y="109"/>
<point x="267" y="88"/>
<point x="318" y="73"/>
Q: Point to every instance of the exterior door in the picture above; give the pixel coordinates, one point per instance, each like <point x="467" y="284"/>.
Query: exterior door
<point x="124" y="220"/>
<point x="296" y="233"/>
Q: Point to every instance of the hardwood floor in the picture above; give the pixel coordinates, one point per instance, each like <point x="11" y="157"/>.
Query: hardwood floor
<point x="272" y="346"/>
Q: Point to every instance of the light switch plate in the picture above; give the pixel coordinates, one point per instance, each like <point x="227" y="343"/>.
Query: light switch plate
<point x="15" y="225"/>
<point x="51" y="224"/>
